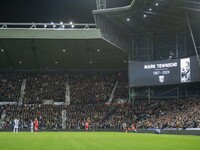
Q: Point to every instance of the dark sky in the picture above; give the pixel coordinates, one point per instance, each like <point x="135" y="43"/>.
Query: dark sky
<point x="78" y="11"/>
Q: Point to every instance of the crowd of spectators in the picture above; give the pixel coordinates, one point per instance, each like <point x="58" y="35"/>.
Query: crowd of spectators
<point x="182" y="113"/>
<point x="41" y="87"/>
<point x="91" y="87"/>
<point x="88" y="94"/>
<point x="122" y="87"/>
<point x="10" y="85"/>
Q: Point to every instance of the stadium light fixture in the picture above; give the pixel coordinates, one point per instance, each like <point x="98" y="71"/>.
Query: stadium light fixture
<point x="150" y="9"/>
<point x="64" y="50"/>
<point x="98" y="50"/>
<point x="54" y="26"/>
<point x="128" y="19"/>
<point x="2" y="50"/>
<point x="156" y="4"/>
<point x="71" y="23"/>
<point x="20" y="62"/>
<point x="56" y="62"/>
<point x="61" y="22"/>
<point x="145" y="16"/>
<point x="90" y="62"/>
<point x="72" y="26"/>
<point x="124" y="61"/>
<point x="52" y="23"/>
<point x="45" y="26"/>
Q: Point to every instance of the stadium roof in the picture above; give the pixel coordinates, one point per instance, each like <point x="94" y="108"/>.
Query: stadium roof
<point x="153" y="15"/>
<point x="42" y="49"/>
<point x="57" y="49"/>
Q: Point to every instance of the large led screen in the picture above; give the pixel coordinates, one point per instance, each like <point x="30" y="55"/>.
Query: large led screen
<point x="172" y="71"/>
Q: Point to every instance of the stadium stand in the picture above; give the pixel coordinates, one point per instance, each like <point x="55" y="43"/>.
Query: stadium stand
<point x="89" y="92"/>
<point x="84" y="87"/>
<point x="10" y="85"/>
<point x="183" y="113"/>
<point x="45" y="86"/>
<point x="136" y="36"/>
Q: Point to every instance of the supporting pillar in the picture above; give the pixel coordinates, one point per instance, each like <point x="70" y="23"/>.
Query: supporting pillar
<point x="67" y="94"/>
<point x="178" y="96"/>
<point x="192" y="36"/>
<point x="112" y="94"/>
<point x="22" y="92"/>
<point x="177" y="54"/>
<point x="64" y="118"/>
<point x="149" y="95"/>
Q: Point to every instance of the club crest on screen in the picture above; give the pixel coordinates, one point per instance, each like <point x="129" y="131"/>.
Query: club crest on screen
<point x="161" y="79"/>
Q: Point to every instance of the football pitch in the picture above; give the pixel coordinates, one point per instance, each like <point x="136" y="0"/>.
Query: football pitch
<point x="96" y="141"/>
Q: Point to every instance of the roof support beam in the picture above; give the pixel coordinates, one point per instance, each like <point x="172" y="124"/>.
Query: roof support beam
<point x="193" y="9"/>
<point x="192" y="36"/>
<point x="163" y="15"/>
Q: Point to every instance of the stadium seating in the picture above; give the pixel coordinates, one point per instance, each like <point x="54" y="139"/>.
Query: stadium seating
<point x="84" y="87"/>
<point x="10" y="85"/>
<point x="88" y="94"/>
<point x="183" y="113"/>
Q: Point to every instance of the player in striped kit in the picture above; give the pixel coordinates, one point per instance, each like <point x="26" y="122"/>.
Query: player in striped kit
<point x="16" y="125"/>
<point x="31" y="124"/>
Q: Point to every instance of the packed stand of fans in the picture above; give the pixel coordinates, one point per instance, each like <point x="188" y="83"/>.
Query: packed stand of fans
<point x="84" y="87"/>
<point x="122" y="87"/>
<point x="183" y="113"/>
<point x="92" y="87"/>
<point x="41" y="87"/>
<point x="10" y="85"/>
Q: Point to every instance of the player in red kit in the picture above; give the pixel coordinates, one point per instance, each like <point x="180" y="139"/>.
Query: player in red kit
<point x="36" y="125"/>
<point x="132" y="128"/>
<point x="86" y="126"/>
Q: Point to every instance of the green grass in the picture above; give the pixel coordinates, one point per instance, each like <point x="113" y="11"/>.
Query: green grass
<point x="96" y="141"/>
